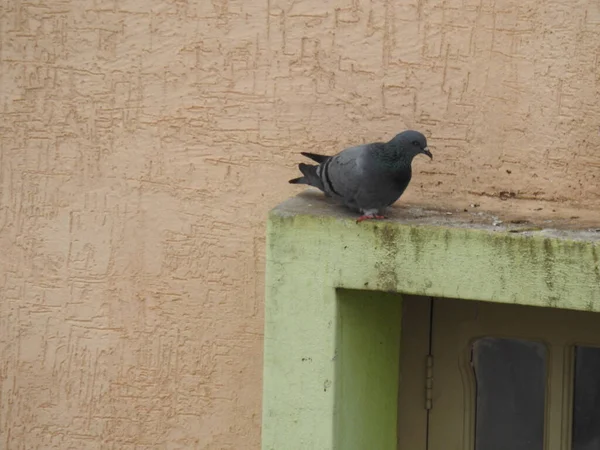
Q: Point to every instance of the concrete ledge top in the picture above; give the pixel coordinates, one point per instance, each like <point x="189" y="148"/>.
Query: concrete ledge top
<point x="313" y="203"/>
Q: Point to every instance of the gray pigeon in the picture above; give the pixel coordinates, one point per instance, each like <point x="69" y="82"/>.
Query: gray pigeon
<point x="366" y="178"/>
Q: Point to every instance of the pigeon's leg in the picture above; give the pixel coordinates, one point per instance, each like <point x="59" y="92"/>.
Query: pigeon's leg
<point x="370" y="214"/>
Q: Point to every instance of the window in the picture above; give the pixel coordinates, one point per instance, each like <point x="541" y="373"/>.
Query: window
<point x="490" y="376"/>
<point x="586" y="399"/>
<point x="510" y="377"/>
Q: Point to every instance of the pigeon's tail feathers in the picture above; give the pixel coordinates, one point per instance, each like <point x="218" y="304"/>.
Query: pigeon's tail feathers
<point x="311" y="176"/>
<point x="317" y="158"/>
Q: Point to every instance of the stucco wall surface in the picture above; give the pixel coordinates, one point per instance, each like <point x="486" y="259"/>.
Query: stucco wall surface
<point x="143" y="142"/>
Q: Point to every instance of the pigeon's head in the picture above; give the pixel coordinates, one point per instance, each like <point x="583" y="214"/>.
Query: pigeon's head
<point x="411" y="143"/>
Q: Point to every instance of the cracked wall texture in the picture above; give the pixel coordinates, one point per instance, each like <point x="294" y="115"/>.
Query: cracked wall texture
<point x="143" y="142"/>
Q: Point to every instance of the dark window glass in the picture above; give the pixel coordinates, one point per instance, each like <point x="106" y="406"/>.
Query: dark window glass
<point x="586" y="399"/>
<point x="511" y="388"/>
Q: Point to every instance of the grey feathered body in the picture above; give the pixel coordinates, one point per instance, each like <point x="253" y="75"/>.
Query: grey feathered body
<point x="358" y="178"/>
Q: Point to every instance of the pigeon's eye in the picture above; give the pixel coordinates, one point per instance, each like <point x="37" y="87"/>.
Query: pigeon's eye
<point x="416" y="143"/>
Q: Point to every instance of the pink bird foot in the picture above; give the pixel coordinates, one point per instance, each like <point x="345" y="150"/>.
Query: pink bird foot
<point x="370" y="217"/>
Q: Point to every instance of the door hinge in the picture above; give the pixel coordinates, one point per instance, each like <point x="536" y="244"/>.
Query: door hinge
<point x="429" y="383"/>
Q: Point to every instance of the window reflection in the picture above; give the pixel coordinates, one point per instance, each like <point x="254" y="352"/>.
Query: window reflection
<point x="586" y="399"/>
<point x="511" y="387"/>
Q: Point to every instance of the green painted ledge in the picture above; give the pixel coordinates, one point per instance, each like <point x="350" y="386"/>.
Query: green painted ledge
<point x="333" y="307"/>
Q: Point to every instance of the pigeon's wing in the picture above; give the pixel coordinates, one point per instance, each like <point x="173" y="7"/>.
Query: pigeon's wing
<point x="343" y="174"/>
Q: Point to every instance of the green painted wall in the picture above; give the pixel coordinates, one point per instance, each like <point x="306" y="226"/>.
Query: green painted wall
<point x="367" y="368"/>
<point x="318" y="393"/>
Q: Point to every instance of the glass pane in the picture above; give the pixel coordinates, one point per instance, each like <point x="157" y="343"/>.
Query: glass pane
<point x="586" y="399"/>
<point x="511" y="388"/>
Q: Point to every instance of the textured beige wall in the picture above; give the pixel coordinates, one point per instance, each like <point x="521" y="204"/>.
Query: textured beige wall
<point x="142" y="143"/>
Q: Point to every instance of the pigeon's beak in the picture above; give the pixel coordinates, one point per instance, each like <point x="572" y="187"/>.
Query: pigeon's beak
<point x="426" y="151"/>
